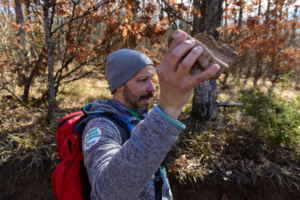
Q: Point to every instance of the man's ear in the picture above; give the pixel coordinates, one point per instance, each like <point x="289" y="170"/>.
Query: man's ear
<point x="118" y="91"/>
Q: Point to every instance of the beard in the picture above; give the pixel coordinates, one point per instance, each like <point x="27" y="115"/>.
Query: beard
<point x="140" y="102"/>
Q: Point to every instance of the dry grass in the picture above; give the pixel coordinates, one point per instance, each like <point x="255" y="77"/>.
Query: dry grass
<point x="82" y="92"/>
<point x="283" y="90"/>
<point x="227" y="150"/>
<point x="24" y="133"/>
<point x="219" y="152"/>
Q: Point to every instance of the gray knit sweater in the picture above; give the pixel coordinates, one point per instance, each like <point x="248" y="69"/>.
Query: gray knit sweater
<point x="124" y="171"/>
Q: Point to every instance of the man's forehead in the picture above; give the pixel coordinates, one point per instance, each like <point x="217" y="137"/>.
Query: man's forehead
<point x="148" y="70"/>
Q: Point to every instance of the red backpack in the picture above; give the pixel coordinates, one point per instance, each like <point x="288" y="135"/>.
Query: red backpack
<point x="69" y="178"/>
<point x="69" y="175"/>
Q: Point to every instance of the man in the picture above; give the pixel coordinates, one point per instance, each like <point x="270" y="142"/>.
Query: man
<point x="127" y="170"/>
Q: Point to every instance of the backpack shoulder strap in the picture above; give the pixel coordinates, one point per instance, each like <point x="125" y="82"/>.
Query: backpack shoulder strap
<point x="123" y="123"/>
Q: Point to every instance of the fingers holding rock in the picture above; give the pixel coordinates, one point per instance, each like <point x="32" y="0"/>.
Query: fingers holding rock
<point x="179" y="52"/>
<point x="176" y="38"/>
<point x="207" y="74"/>
<point x="189" y="60"/>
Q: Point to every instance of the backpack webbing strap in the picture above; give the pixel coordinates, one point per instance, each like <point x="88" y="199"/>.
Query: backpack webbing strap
<point x="124" y="126"/>
<point x="158" y="183"/>
<point x="84" y="179"/>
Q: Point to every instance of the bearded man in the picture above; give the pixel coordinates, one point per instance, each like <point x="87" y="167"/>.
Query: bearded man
<point x="128" y="165"/>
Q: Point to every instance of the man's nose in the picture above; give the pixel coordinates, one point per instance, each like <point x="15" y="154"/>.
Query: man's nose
<point x="150" y="87"/>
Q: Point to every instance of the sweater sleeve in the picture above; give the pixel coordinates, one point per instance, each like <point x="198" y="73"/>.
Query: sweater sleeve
<point x="120" y="171"/>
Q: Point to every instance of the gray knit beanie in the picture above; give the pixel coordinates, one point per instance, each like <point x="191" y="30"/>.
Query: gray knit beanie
<point x="122" y="65"/>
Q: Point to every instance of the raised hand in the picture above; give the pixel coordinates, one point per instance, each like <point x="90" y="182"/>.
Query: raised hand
<point x="175" y="77"/>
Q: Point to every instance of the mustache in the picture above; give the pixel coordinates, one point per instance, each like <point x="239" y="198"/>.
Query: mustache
<point x="146" y="96"/>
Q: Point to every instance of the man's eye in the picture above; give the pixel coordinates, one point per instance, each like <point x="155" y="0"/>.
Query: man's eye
<point x="143" y="80"/>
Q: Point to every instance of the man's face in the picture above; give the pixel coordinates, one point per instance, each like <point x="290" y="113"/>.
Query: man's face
<point x="138" y="91"/>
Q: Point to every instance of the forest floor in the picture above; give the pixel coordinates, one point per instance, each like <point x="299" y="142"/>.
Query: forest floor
<point x="226" y="151"/>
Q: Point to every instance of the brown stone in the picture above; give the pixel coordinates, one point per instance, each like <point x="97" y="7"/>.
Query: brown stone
<point x="215" y="52"/>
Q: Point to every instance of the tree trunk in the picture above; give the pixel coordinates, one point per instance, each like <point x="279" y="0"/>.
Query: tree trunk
<point x="30" y="79"/>
<point x="20" y="22"/>
<point x="257" y="72"/>
<point x="19" y="12"/>
<point x="297" y="81"/>
<point x="295" y="18"/>
<point x="197" y="20"/>
<point x="259" y="8"/>
<point x="225" y="24"/>
<point x="211" y="18"/>
<point x="22" y="40"/>
<point x="27" y="9"/>
<point x="268" y="12"/>
<point x="48" y="17"/>
<point x="204" y="101"/>
<point x="241" y="12"/>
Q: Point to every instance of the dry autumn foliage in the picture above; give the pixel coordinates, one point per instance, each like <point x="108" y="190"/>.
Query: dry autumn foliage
<point x="81" y="33"/>
<point x="265" y="37"/>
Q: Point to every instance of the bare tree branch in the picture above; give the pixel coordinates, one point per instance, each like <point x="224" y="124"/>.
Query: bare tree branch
<point x="86" y="13"/>
<point x="3" y="87"/>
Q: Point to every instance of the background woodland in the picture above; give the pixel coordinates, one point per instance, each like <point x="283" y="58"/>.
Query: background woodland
<point x="243" y="129"/>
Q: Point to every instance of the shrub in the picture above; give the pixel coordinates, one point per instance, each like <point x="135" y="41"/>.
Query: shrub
<point x="276" y="121"/>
